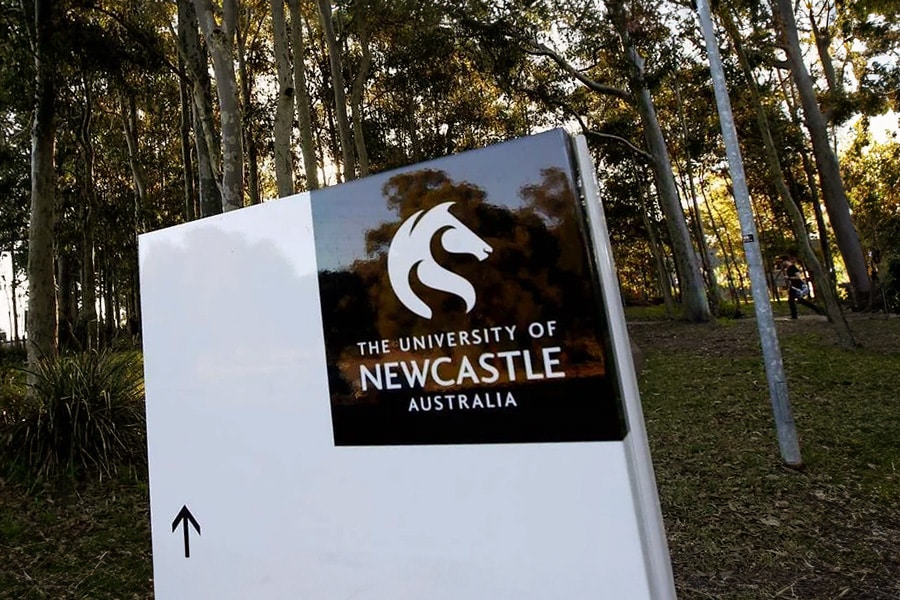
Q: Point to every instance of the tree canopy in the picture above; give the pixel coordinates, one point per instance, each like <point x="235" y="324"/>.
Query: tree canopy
<point x="124" y="116"/>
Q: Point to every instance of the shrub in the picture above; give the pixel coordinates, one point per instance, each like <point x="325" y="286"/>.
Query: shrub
<point x="84" y="414"/>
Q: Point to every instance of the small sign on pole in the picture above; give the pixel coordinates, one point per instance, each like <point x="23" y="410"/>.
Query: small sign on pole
<point x="415" y="385"/>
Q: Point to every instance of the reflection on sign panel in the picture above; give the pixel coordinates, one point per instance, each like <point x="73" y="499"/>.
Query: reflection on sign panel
<point x="468" y="312"/>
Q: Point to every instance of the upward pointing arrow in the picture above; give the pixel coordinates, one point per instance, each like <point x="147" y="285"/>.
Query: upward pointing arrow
<point x="184" y="517"/>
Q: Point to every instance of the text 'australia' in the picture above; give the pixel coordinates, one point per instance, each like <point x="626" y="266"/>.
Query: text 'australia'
<point x="476" y="401"/>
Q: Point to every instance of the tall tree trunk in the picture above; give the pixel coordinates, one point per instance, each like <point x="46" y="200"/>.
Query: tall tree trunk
<point x="187" y="163"/>
<point x="129" y="123"/>
<point x="301" y="94"/>
<point x="206" y="136"/>
<point x="284" y="111"/>
<point x="338" y="83"/>
<point x="210" y="185"/>
<point x="250" y="145"/>
<point x="14" y="288"/>
<point x="220" y="40"/>
<point x="41" y="322"/>
<point x="662" y="273"/>
<point x="356" y="92"/>
<point x="697" y="221"/>
<point x="821" y="227"/>
<point x="823" y="283"/>
<point x="87" y="316"/>
<point x="826" y="162"/>
<point x="693" y="292"/>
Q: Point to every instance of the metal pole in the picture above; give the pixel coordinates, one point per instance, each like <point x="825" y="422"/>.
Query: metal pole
<point x="781" y="407"/>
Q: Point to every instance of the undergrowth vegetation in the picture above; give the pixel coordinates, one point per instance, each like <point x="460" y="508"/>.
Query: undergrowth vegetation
<point x="84" y="416"/>
<point x="740" y="526"/>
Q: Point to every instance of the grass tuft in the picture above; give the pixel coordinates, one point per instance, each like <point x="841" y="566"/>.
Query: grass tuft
<point x="84" y="415"/>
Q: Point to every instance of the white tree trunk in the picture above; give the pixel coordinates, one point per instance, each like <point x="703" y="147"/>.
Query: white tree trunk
<point x="304" y="117"/>
<point x="284" y="112"/>
<point x="340" y="98"/>
<point x="206" y="138"/>
<point x="220" y="39"/>
<point x="695" y="303"/>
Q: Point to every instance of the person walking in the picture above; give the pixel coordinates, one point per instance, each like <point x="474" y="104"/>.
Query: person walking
<point x="797" y="288"/>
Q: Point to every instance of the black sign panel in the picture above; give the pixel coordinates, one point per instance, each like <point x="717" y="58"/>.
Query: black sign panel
<point x="459" y="303"/>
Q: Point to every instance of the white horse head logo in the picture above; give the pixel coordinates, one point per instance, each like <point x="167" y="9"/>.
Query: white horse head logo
<point x="411" y="249"/>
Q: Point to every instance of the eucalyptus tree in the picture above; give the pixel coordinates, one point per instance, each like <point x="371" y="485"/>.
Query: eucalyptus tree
<point x="361" y="15"/>
<point x="338" y="86"/>
<point x="207" y="142"/>
<point x="220" y="33"/>
<point x="827" y="165"/>
<point x="284" y="112"/>
<point x="622" y="77"/>
<point x="302" y="96"/>
<point x="251" y="40"/>
<point x="824" y="287"/>
<point x="44" y="25"/>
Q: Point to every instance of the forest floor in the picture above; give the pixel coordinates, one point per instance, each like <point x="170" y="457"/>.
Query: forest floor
<point x="740" y="525"/>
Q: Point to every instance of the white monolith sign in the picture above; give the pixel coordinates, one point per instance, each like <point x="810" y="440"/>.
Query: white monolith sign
<point x="415" y="386"/>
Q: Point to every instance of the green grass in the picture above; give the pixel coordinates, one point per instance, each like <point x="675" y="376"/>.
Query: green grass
<point x="85" y="541"/>
<point x="740" y="525"/>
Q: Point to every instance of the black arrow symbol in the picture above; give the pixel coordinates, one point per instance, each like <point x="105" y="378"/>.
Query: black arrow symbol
<point x="184" y="517"/>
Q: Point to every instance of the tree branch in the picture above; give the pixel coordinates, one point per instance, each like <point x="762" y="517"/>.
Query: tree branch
<point x="140" y="37"/>
<point x="542" y="50"/>
<point x="599" y="134"/>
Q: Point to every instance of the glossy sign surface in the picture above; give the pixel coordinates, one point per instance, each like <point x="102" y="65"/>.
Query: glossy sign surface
<point x="458" y="303"/>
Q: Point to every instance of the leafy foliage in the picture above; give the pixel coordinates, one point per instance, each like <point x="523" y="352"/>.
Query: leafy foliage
<point x="872" y="172"/>
<point x="84" y="415"/>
